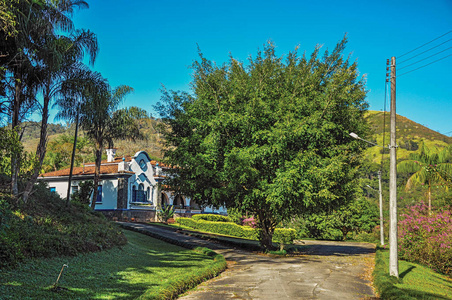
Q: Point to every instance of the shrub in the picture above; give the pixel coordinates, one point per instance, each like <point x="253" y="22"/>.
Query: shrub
<point x="426" y="239"/>
<point x="45" y="227"/>
<point x="281" y="235"/>
<point x="166" y="213"/>
<point x="212" y="218"/>
<point x="250" y="222"/>
<point x="83" y="195"/>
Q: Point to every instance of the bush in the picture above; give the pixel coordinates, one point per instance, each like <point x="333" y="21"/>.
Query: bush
<point x="426" y="239"/>
<point x="281" y="235"/>
<point x="83" y="195"/>
<point x="212" y="218"/>
<point x="45" y="227"/>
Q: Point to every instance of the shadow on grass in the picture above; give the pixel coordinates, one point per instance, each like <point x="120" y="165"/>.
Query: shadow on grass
<point x="144" y="266"/>
<point x="404" y="273"/>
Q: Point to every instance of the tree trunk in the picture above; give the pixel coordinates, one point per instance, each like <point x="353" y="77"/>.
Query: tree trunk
<point x="42" y="146"/>
<point x="15" y="159"/>
<point x="97" y="173"/>
<point x="266" y="233"/>
<point x="72" y="160"/>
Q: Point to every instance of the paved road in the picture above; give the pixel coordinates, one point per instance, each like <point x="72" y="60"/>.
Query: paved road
<point x="327" y="270"/>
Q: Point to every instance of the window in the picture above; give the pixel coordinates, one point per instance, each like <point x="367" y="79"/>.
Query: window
<point x="53" y="189"/>
<point x="143" y="165"/>
<point x="134" y="194"/>
<point x="149" y="194"/>
<point x="99" y="194"/>
<point x="74" y="188"/>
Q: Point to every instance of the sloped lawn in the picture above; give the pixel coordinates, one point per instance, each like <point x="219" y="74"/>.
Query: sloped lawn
<point x="145" y="268"/>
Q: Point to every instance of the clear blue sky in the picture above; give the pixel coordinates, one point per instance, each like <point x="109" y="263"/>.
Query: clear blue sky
<point x="146" y="44"/>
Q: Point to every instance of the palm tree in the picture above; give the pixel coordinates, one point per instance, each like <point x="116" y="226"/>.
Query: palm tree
<point x="75" y="92"/>
<point x="104" y="122"/>
<point x="61" y="57"/>
<point x="35" y="21"/>
<point x="428" y="166"/>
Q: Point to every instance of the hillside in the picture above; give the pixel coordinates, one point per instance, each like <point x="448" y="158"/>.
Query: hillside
<point x="409" y="134"/>
<point x="60" y="140"/>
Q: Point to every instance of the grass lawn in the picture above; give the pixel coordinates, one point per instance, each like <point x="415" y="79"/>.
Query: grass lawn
<point x="415" y="282"/>
<point x="145" y="268"/>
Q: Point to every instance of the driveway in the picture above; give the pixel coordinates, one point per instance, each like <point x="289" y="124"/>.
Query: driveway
<point x="325" y="270"/>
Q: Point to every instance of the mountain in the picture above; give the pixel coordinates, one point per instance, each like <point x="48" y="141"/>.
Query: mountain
<point x="408" y="135"/>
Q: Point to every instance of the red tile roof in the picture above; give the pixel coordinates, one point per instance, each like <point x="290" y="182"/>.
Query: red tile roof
<point x="87" y="170"/>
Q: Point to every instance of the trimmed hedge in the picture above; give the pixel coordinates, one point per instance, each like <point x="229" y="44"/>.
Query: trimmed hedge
<point x="212" y="218"/>
<point x="281" y="235"/>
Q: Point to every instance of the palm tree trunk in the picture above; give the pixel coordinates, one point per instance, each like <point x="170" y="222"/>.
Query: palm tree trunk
<point x="97" y="173"/>
<point x="14" y="125"/>
<point x="41" y="149"/>
<point x="72" y="160"/>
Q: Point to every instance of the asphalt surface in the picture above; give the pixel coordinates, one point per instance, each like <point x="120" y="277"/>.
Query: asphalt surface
<point x="324" y="270"/>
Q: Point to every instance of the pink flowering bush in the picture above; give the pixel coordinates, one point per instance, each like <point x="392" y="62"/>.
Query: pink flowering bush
<point x="426" y="239"/>
<point x="249" y="222"/>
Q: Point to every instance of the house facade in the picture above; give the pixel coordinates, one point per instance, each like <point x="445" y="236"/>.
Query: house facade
<point x="129" y="188"/>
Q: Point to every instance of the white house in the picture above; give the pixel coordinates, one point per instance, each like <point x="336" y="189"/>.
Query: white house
<point x="128" y="187"/>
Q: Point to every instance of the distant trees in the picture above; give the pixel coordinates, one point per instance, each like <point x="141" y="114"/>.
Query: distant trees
<point x="269" y="138"/>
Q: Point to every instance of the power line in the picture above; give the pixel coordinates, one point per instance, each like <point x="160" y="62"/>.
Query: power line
<point x="424" y="52"/>
<point x="424" y="58"/>
<point x="425" y="44"/>
<point x="425" y="65"/>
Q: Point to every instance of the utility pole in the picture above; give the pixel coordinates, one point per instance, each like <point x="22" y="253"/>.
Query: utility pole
<point x="393" y="255"/>
<point x="382" y="236"/>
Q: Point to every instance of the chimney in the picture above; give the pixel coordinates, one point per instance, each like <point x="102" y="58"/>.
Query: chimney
<point x="111" y="154"/>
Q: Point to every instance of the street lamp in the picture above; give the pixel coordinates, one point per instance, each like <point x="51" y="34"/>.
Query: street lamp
<point x="382" y="237"/>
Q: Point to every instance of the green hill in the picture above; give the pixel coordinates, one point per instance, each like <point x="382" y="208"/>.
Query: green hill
<point x="408" y="136"/>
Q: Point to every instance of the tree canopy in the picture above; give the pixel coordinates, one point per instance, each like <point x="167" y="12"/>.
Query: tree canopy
<point x="269" y="137"/>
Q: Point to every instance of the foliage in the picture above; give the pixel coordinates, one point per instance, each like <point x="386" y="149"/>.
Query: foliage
<point x="165" y="213"/>
<point x="270" y="138"/>
<point x="84" y="192"/>
<point x="153" y="270"/>
<point x="429" y="166"/>
<point x="416" y="281"/>
<point x="47" y="228"/>
<point x="235" y="215"/>
<point x="58" y="155"/>
<point x="426" y="239"/>
<point x="281" y="235"/>
<point x="357" y="216"/>
<point x="211" y="217"/>
<point x="9" y="144"/>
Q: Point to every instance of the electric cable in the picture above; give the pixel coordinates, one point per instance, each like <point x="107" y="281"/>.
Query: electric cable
<point x="424" y="58"/>
<point x="424" y="65"/>
<point x="399" y="63"/>
<point x="425" y="44"/>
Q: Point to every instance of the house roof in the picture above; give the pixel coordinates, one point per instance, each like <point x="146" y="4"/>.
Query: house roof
<point x="87" y="170"/>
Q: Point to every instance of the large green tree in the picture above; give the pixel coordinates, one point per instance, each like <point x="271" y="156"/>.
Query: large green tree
<point x="270" y="136"/>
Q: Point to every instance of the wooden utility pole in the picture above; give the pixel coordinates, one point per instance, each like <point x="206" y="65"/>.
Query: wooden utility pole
<point x="393" y="255"/>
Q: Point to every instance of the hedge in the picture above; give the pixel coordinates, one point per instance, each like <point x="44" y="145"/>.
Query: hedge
<point x="281" y="235"/>
<point x="212" y="218"/>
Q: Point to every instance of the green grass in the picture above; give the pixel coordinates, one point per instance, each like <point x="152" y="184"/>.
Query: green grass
<point x="145" y="268"/>
<point x="415" y="282"/>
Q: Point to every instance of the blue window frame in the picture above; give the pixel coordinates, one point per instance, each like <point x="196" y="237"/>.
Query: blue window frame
<point x="99" y="193"/>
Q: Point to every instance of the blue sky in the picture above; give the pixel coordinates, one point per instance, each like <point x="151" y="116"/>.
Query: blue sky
<point x="146" y="44"/>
